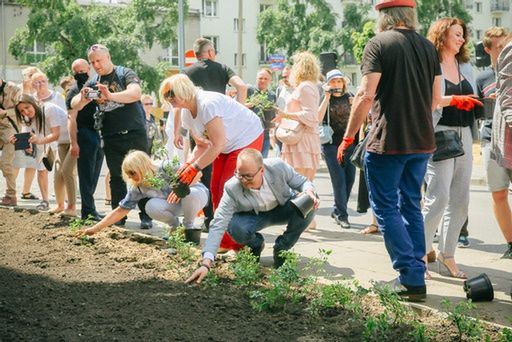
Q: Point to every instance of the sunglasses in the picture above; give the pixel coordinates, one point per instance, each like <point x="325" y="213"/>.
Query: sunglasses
<point x="247" y="177"/>
<point x="148" y="104"/>
<point x="131" y="173"/>
<point x="170" y="94"/>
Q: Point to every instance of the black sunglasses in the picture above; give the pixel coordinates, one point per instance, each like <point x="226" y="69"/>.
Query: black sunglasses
<point x="170" y="94"/>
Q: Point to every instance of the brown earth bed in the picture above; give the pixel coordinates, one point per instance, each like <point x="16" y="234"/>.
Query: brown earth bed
<point x="53" y="287"/>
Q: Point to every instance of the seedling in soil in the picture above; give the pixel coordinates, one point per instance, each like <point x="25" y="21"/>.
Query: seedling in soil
<point x="260" y="103"/>
<point x="465" y="324"/>
<point x="167" y="177"/>
<point x="246" y="268"/>
<point x="506" y="335"/>
<point x="391" y="302"/>
<point x="332" y="296"/>
<point x="78" y="223"/>
<point x="376" y="329"/>
<point x="211" y="280"/>
<point x="177" y="241"/>
<point x="420" y="332"/>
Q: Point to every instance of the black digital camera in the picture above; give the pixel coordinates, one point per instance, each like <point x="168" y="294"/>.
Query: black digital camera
<point x="93" y="94"/>
<point x="336" y="90"/>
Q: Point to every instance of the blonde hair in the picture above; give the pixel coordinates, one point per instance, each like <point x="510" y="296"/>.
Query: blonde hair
<point x="391" y="17"/>
<point x="306" y="67"/>
<point x="39" y="74"/>
<point x="27" y="73"/>
<point x="493" y="32"/>
<point x="140" y="163"/>
<point x="182" y="87"/>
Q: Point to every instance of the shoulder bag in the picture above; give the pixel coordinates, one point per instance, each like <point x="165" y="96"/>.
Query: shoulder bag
<point x="289" y="131"/>
<point x="325" y="131"/>
<point x="357" y="157"/>
<point x="48" y="156"/>
<point x="448" y="142"/>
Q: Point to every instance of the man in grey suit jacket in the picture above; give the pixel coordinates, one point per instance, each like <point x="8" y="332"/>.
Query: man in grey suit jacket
<point x="258" y="196"/>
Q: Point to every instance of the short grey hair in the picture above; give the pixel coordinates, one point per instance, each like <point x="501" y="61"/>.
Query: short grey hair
<point x="251" y="154"/>
<point x="391" y="17"/>
<point x="201" y="45"/>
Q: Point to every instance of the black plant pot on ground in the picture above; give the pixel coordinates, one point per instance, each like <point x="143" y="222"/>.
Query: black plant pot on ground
<point x="479" y="289"/>
<point x="193" y="235"/>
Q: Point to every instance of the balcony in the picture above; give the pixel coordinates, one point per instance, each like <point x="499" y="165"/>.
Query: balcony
<point x="500" y="5"/>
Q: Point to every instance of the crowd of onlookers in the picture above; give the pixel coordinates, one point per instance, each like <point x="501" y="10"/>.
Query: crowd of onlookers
<point x="309" y="116"/>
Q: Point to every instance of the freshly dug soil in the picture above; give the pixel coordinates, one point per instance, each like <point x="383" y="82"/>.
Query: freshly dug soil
<point x="53" y="287"/>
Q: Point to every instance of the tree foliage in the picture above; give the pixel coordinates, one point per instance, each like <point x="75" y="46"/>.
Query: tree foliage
<point x="431" y="10"/>
<point x="355" y="17"/>
<point x="67" y="29"/>
<point x="359" y="39"/>
<point x="294" y="25"/>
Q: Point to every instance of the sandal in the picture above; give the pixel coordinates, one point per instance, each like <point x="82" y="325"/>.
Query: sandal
<point x="29" y="196"/>
<point x="43" y="206"/>
<point x="371" y="229"/>
<point x="441" y="260"/>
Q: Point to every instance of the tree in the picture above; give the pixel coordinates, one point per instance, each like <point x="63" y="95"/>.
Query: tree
<point x="359" y="39"/>
<point x="355" y="17"/>
<point x="294" y="25"/>
<point x="67" y="29"/>
<point x="431" y="10"/>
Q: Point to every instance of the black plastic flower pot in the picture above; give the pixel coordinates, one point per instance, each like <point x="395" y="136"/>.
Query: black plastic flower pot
<point x="304" y="204"/>
<point x="181" y="190"/>
<point x="479" y="289"/>
<point x="193" y="235"/>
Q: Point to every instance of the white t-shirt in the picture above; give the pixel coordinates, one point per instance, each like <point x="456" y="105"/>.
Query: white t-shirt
<point x="56" y="116"/>
<point x="241" y="125"/>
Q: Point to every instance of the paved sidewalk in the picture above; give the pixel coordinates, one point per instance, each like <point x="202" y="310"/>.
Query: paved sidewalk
<point x="364" y="257"/>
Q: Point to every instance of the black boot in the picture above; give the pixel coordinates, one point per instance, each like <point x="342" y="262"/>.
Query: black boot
<point x="278" y="259"/>
<point x="145" y="221"/>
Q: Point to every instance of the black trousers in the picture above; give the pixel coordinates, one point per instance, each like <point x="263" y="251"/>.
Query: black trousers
<point x="116" y="147"/>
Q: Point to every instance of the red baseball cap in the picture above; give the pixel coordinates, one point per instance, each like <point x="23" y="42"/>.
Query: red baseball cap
<point x="394" y="3"/>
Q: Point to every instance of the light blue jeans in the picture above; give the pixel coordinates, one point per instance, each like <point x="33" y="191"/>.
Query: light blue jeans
<point x="160" y="210"/>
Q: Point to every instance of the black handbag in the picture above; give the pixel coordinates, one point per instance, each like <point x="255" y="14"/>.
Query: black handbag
<point x="357" y="157"/>
<point x="448" y="144"/>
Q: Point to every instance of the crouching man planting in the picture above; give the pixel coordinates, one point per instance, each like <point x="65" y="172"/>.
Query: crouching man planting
<point x="168" y="197"/>
<point x="258" y="196"/>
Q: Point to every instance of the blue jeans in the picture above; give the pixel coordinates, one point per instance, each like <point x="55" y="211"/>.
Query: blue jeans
<point x="244" y="227"/>
<point x="89" y="167"/>
<point x="342" y="178"/>
<point x="266" y="143"/>
<point x="394" y="184"/>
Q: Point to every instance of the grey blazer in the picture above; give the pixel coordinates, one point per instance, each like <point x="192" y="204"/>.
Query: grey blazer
<point x="282" y="180"/>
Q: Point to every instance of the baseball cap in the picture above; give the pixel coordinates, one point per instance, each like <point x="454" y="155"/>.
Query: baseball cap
<point x="335" y="73"/>
<point x="394" y="3"/>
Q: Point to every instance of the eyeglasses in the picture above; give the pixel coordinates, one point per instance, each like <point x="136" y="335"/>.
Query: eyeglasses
<point x="247" y="177"/>
<point x="170" y="95"/>
<point x="148" y="104"/>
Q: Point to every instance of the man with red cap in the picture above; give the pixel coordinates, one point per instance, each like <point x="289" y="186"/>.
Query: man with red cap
<point x="401" y="86"/>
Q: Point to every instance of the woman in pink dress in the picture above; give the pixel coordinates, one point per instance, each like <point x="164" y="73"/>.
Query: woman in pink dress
<point x="302" y="106"/>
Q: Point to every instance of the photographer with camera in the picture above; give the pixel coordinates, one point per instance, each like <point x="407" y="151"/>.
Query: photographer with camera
<point x="120" y="118"/>
<point x="335" y="111"/>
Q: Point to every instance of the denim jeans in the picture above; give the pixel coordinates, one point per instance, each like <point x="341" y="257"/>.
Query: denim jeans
<point x="89" y="167"/>
<point x="394" y="184"/>
<point x="342" y="178"/>
<point x="244" y="227"/>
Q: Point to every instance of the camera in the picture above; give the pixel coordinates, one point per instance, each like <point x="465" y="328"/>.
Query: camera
<point x="336" y="90"/>
<point x="93" y="95"/>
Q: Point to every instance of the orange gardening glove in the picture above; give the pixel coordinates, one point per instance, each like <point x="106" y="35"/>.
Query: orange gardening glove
<point x="187" y="174"/>
<point x="342" y="149"/>
<point x="464" y="102"/>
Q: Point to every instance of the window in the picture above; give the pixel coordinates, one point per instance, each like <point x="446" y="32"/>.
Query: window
<point x="36" y="52"/>
<point x="215" y="41"/>
<point x="243" y="59"/>
<point x="210" y="8"/>
<point x="235" y="25"/>
<point x="496" y="21"/>
<point x="263" y="53"/>
<point x="478" y="7"/>
<point x="172" y="55"/>
<point x="478" y="34"/>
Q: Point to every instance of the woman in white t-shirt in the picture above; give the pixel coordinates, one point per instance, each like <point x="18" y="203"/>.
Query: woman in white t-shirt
<point x="46" y="124"/>
<point x="220" y="126"/>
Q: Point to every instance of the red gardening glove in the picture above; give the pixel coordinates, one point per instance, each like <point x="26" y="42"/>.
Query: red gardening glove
<point x="342" y="149"/>
<point x="188" y="173"/>
<point x="464" y="102"/>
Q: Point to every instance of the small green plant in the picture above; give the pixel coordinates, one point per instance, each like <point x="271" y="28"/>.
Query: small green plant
<point x="245" y="268"/>
<point x="86" y="240"/>
<point x="285" y="285"/>
<point x="331" y="296"/>
<point x="420" y="333"/>
<point x="376" y="329"/>
<point x="167" y="177"/>
<point x="506" y="335"/>
<point x="391" y="302"/>
<point x="78" y="223"/>
<point x="211" y="280"/>
<point x="260" y="103"/>
<point x="465" y="324"/>
<point x="177" y="241"/>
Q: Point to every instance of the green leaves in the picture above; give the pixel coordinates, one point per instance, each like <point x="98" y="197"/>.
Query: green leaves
<point x="67" y="29"/>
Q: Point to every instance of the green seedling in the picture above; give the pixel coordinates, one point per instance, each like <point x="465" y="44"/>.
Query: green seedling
<point x="506" y="335"/>
<point x="391" y="302"/>
<point x="78" y="223"/>
<point x="211" y="280"/>
<point x="332" y="296"/>
<point x="167" y="177"/>
<point x="177" y="241"/>
<point x="460" y="316"/>
<point x="260" y="103"/>
<point x="377" y="329"/>
<point x="420" y="333"/>
<point x="246" y="268"/>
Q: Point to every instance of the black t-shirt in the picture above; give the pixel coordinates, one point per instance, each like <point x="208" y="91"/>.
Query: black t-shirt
<point x="339" y="109"/>
<point x="452" y="116"/>
<point x="486" y="86"/>
<point x="120" y="117"/>
<point x="84" y="117"/>
<point x="402" y="109"/>
<point x="209" y="75"/>
<point x="266" y="116"/>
